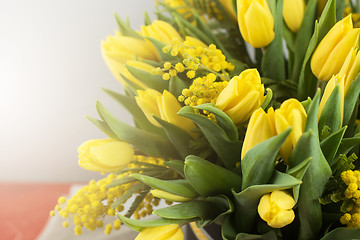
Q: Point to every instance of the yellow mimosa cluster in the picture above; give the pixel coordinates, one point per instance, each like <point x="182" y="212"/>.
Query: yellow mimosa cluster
<point x="352" y="198"/>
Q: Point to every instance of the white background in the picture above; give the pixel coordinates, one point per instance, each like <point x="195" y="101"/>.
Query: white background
<point x="51" y="74"/>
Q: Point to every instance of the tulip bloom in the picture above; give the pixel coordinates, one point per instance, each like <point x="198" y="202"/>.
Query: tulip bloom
<point x="351" y="68"/>
<point x="117" y="50"/>
<point x="105" y="155"/>
<point x="291" y="113"/>
<point x="293" y="13"/>
<point x="261" y="127"/>
<point x="242" y="96"/>
<point x="276" y="209"/>
<point x="333" y="49"/>
<point x="167" y="232"/>
<point x="161" y="31"/>
<point x="334" y="81"/>
<point x="165" y="106"/>
<point x="255" y="22"/>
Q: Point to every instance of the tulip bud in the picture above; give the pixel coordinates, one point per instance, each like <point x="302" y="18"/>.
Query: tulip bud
<point x="242" y="96"/>
<point x="291" y="113"/>
<point x="117" y="50"/>
<point x="350" y="68"/>
<point x="334" y="81"/>
<point x="169" y="196"/>
<point x="161" y="31"/>
<point x="165" y="106"/>
<point x="293" y="13"/>
<point x="261" y="127"/>
<point x="168" y="232"/>
<point x="333" y="49"/>
<point x="255" y="22"/>
<point x="105" y="155"/>
<point x="276" y="209"/>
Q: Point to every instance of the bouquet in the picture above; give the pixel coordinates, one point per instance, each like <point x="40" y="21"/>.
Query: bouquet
<point x="245" y="117"/>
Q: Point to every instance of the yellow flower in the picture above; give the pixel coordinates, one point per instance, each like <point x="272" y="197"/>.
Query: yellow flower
<point x="105" y="155"/>
<point x="164" y="106"/>
<point x="261" y="127"/>
<point x="293" y="13"/>
<point x="334" y="81"/>
<point x="242" y="96"/>
<point x="255" y="22"/>
<point x="117" y="50"/>
<point x="333" y="49"/>
<point x="161" y="31"/>
<point x="350" y="68"/>
<point x="291" y="113"/>
<point x="276" y="209"/>
<point x="167" y="232"/>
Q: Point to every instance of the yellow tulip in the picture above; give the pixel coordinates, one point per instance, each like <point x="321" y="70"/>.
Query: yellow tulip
<point x="333" y="49"/>
<point x="350" y="68"/>
<point x="291" y="113"/>
<point x="169" y="196"/>
<point x="161" y="31"/>
<point x="334" y="81"/>
<point x="164" y="106"/>
<point x="117" y="50"/>
<point x="105" y="155"/>
<point x="293" y="13"/>
<point x="276" y="209"/>
<point x="255" y="22"/>
<point x="167" y="232"/>
<point x="242" y="96"/>
<point x="139" y="65"/>
<point x="261" y="127"/>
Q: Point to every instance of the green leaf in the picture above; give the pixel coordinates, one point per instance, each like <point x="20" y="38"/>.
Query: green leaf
<point x="152" y="81"/>
<point x="258" y="164"/>
<point x="347" y="144"/>
<point x="125" y="29"/>
<point x="269" y="96"/>
<point x="267" y="236"/>
<point x="340" y="7"/>
<point x="303" y="38"/>
<point x="330" y="145"/>
<point x="273" y="64"/>
<point x="179" y="187"/>
<point x="150" y="144"/>
<point x="139" y="225"/>
<point x="331" y="113"/>
<point x="246" y="201"/>
<point x="312" y="114"/>
<point x="131" y="106"/>
<point x="207" y="210"/>
<point x="209" y="179"/>
<point x="178" y="137"/>
<point x="176" y="165"/>
<point x="351" y="98"/>
<point x="314" y="181"/>
<point x="127" y="194"/>
<point x="343" y="234"/>
<point x="227" y="150"/>
<point x="101" y="125"/>
<point x="163" y="56"/>
<point x="222" y="119"/>
<point x="176" y="85"/>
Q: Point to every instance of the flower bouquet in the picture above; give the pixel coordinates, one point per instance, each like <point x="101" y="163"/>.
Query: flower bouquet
<point x="245" y="116"/>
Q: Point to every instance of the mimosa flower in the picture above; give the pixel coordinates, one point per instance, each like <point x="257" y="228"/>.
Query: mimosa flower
<point x="333" y="49"/>
<point x="291" y="113"/>
<point x="276" y="209"/>
<point x="293" y="13"/>
<point x="167" y="232"/>
<point x="255" y="22"/>
<point x="261" y="127"/>
<point x="105" y="155"/>
<point x="242" y="96"/>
